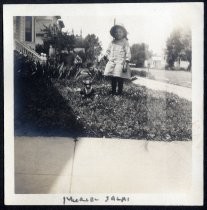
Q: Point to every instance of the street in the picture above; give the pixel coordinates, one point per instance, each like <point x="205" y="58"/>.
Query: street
<point x="181" y="78"/>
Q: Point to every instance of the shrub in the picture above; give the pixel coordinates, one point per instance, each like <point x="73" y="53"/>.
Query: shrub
<point x="40" y="49"/>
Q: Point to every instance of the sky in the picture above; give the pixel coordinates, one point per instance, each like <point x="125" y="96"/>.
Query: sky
<point x="148" y="23"/>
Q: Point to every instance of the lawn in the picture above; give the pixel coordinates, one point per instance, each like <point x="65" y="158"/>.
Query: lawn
<point x="182" y="78"/>
<point x="139" y="113"/>
<point x="55" y="108"/>
<point x="45" y="106"/>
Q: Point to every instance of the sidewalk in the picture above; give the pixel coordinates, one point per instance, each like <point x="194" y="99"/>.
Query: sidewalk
<point x="61" y="165"/>
<point x="182" y="92"/>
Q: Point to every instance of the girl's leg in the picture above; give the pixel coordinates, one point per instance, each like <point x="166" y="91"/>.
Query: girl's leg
<point x="120" y="85"/>
<point x="113" y="84"/>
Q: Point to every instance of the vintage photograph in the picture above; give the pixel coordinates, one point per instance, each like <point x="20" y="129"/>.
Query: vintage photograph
<point x="103" y="99"/>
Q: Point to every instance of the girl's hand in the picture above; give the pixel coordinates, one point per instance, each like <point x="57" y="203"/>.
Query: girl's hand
<point x="105" y="57"/>
<point x="125" y="66"/>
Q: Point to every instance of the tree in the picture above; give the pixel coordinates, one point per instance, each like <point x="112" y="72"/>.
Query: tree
<point x="92" y="47"/>
<point x="178" y="46"/>
<point x="58" y="39"/>
<point x="187" y="47"/>
<point x="140" y="52"/>
<point x="61" y="40"/>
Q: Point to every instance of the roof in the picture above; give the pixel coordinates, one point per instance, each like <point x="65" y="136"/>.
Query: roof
<point x="156" y="58"/>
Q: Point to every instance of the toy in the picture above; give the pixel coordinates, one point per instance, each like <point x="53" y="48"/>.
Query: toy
<point x="88" y="90"/>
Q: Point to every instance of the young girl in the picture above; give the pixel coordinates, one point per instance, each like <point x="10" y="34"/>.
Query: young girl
<point x="118" y="55"/>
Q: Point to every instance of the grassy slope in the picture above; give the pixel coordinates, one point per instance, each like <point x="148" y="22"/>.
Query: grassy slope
<point x="139" y="113"/>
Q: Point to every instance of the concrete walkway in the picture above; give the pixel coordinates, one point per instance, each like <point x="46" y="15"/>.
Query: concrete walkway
<point x="182" y="92"/>
<point x="61" y="165"/>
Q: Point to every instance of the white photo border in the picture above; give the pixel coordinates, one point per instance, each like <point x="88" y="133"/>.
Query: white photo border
<point x="194" y="197"/>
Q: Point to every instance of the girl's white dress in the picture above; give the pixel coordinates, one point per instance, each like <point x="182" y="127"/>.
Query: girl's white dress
<point x="118" y="52"/>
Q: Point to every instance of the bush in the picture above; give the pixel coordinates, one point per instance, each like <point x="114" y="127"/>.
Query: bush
<point x="41" y="49"/>
<point x="27" y="67"/>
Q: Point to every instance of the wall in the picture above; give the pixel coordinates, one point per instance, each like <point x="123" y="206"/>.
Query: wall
<point x="19" y="28"/>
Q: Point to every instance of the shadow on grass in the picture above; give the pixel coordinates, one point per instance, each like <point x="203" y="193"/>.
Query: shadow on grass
<point x="40" y="110"/>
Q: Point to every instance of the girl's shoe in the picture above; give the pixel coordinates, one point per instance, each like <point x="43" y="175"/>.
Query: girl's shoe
<point x="120" y="92"/>
<point x="112" y="92"/>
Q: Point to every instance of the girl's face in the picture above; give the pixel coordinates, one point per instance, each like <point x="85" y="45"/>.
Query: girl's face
<point x="119" y="33"/>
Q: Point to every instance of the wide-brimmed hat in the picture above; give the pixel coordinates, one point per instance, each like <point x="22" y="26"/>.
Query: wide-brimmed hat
<point x="119" y="25"/>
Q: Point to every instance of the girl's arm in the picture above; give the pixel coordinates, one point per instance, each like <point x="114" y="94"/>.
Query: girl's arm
<point x="128" y="52"/>
<point x="108" y="51"/>
<point x="128" y="56"/>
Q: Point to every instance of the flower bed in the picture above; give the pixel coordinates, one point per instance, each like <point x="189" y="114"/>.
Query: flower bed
<point x="139" y="113"/>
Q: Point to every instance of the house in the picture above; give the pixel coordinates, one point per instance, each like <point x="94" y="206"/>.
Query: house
<point x="156" y="62"/>
<point x="28" y="31"/>
<point x="181" y="64"/>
